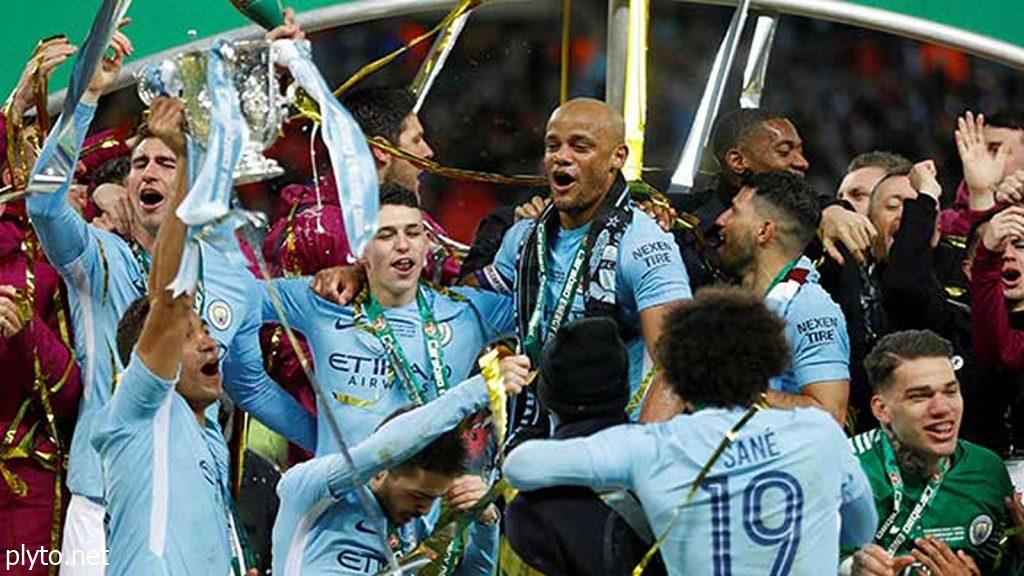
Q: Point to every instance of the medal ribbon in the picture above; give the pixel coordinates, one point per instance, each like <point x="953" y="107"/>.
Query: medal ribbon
<point x="781" y="276"/>
<point x="379" y="327"/>
<point x="892" y="471"/>
<point x="533" y="342"/>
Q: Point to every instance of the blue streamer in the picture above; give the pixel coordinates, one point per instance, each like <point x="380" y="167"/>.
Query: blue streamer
<point x="351" y="159"/>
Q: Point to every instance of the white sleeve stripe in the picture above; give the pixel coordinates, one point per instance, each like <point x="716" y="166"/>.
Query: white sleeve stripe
<point x="297" y="546"/>
<point x="159" y="495"/>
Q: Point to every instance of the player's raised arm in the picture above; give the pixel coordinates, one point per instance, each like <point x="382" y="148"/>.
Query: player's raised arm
<point x="159" y="345"/>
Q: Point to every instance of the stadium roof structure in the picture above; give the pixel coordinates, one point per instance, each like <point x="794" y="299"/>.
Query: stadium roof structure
<point x="984" y="28"/>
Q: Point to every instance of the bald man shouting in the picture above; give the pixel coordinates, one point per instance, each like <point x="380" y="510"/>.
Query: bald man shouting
<point x="590" y="253"/>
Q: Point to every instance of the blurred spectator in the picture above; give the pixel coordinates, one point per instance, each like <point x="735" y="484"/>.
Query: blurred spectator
<point x="864" y="171"/>
<point x="990" y="150"/>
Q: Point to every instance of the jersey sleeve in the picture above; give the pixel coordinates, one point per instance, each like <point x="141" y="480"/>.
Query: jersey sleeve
<point x="495" y="310"/>
<point x="393" y="443"/>
<point x="857" y="512"/>
<point x="481" y="554"/>
<point x="651" y="265"/>
<point x="504" y="265"/>
<point x="605" y="460"/>
<point x="63" y="234"/>
<point x="816" y="330"/>
<point x="298" y="301"/>
<point x="247" y="382"/>
<point x="139" y="393"/>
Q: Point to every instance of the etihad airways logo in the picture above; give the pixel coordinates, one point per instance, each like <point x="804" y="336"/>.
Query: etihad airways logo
<point x="363" y="371"/>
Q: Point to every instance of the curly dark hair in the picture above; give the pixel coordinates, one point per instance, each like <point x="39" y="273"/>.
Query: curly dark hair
<point x="380" y="111"/>
<point x="896" y="348"/>
<point x="446" y="455"/>
<point x="722" y="347"/>
<point x="792" y="200"/>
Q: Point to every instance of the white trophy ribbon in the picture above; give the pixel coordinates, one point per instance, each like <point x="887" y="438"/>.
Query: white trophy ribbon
<point x="207" y="208"/>
<point x="351" y="160"/>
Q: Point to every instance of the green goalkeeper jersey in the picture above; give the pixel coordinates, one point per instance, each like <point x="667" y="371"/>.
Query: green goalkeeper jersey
<point x="966" y="511"/>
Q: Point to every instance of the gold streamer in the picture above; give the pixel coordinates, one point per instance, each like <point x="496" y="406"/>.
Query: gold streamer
<point x="353" y="401"/>
<point x="458" y="173"/>
<point x="490" y="368"/>
<point x="563" y="85"/>
<point x="635" y="101"/>
<point x="434" y="62"/>
<point x="641" y="392"/>
<point x="55" y="461"/>
<point x="462" y="7"/>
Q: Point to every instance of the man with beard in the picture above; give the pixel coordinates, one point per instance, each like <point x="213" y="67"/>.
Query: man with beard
<point x="590" y="253"/>
<point x="764" y="234"/>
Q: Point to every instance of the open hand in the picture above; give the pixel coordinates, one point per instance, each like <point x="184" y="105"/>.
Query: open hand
<point x="940" y="560"/>
<point x="45" y="58"/>
<point x="167" y="122"/>
<point x="110" y="64"/>
<point x="982" y="169"/>
<point x="1004" y="228"/>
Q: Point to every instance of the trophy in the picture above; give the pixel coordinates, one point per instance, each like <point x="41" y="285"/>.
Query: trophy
<point x="262" y="105"/>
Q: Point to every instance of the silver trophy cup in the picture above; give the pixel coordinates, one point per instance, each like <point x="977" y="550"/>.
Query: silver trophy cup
<point x="262" y="105"/>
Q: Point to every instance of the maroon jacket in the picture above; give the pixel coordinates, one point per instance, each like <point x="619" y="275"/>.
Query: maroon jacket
<point x="996" y="343"/>
<point x="28" y="518"/>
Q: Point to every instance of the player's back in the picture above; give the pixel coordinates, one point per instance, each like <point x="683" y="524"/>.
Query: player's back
<point x="770" y="504"/>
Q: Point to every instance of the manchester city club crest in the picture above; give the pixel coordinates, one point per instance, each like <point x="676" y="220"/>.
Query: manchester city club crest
<point x="219" y="314"/>
<point x="981" y="529"/>
<point x="446" y="333"/>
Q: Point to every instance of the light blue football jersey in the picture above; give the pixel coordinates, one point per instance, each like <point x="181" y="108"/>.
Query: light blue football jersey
<point x="351" y="364"/>
<point x="103" y="276"/>
<point x="650" y="273"/>
<point x="816" y="332"/>
<point x="166" y="481"/>
<point x="770" y="506"/>
<point x="322" y="528"/>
